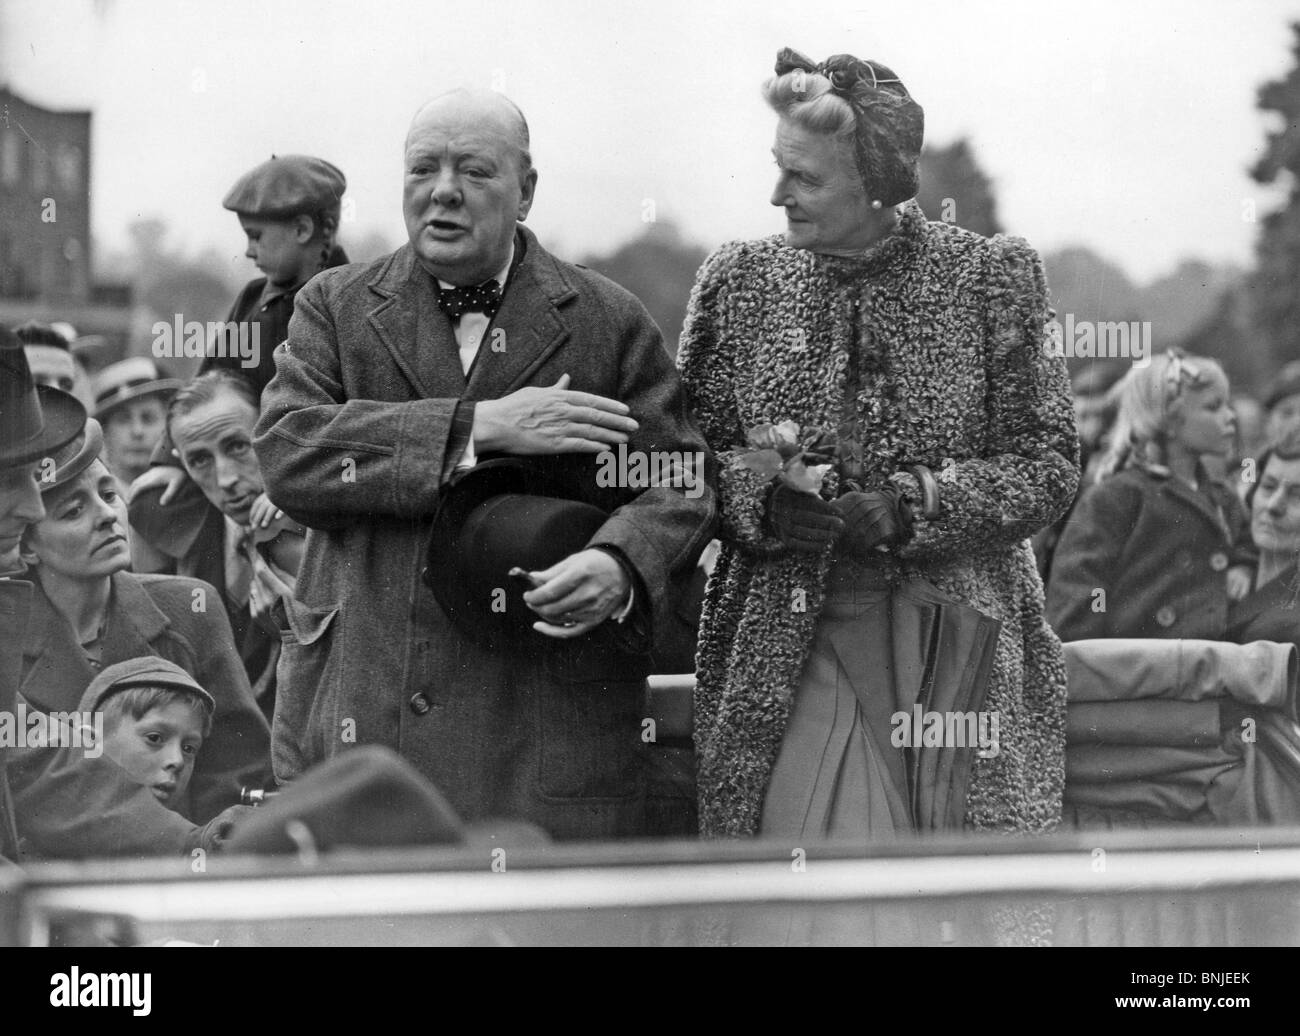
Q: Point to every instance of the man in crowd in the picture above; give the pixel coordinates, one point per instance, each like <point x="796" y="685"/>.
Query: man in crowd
<point x="399" y="376"/>
<point x="252" y="553"/>
<point x="32" y="426"/>
<point x="52" y="362"/>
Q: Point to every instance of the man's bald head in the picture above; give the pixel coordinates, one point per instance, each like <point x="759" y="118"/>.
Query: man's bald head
<point x="469" y="180"/>
<point x="481" y="105"/>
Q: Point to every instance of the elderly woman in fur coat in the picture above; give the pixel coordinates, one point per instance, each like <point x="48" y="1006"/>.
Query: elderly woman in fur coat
<point x="927" y="343"/>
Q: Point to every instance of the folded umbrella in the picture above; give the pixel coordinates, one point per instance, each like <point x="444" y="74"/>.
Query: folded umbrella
<point x="953" y="646"/>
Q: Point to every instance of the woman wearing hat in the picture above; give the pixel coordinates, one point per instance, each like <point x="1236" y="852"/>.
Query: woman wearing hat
<point x="34" y="422"/>
<point x="918" y="346"/>
<point x="88" y="613"/>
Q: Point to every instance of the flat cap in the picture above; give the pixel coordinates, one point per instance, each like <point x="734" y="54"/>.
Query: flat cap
<point x="146" y="671"/>
<point x="287" y="185"/>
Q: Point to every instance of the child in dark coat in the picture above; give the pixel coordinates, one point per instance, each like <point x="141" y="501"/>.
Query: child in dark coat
<point x="1157" y="548"/>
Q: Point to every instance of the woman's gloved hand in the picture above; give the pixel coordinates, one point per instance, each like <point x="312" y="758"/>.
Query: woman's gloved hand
<point x="804" y="522"/>
<point x="880" y="518"/>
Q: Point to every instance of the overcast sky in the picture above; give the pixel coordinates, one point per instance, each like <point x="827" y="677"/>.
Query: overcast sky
<point x="1124" y="126"/>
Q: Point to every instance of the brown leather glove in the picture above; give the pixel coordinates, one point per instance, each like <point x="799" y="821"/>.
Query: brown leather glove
<point x="804" y="522"/>
<point x="878" y="518"/>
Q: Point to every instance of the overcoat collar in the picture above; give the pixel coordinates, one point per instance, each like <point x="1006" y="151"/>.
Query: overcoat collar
<point x="134" y="623"/>
<point x="422" y="343"/>
<point x="1198" y="500"/>
<point x="1282" y="592"/>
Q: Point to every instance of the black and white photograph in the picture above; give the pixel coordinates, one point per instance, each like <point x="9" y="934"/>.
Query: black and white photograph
<point x="695" y="473"/>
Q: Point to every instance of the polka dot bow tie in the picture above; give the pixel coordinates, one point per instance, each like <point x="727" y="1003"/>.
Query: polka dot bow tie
<point x="480" y="298"/>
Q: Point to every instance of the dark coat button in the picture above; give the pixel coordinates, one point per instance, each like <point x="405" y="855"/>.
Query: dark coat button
<point x="419" y="704"/>
<point x="1218" y="561"/>
<point x="1165" y="616"/>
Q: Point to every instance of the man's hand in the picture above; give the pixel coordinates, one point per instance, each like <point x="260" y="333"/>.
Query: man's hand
<point x="550" y="420"/>
<point x="265" y="589"/>
<point x="578" y="594"/>
<point x="170" y="477"/>
<point x="216" y="832"/>
<point x="263" y="513"/>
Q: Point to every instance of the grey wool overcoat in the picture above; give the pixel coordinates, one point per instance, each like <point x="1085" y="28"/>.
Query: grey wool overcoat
<point x="354" y="440"/>
<point x="949" y="330"/>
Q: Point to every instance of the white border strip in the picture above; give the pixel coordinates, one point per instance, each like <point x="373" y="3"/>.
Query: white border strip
<point x="458" y="892"/>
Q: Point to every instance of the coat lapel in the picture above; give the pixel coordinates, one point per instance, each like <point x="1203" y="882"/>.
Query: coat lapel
<point x="1278" y="594"/>
<point x="1177" y="487"/>
<point x="414" y="330"/>
<point x="530" y="319"/>
<point x="55" y="671"/>
<point x="134" y="621"/>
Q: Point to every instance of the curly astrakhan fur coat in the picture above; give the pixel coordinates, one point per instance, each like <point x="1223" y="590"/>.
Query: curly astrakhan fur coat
<point x="955" y="374"/>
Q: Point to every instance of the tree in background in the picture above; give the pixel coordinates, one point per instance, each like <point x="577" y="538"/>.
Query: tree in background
<point x="1277" y="275"/>
<point x="658" y="267"/>
<point x="954" y="189"/>
<point x="1226" y="335"/>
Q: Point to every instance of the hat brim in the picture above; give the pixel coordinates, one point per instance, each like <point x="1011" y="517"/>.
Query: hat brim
<point x="165" y="387"/>
<point x="90" y="451"/>
<point x="63" y="418"/>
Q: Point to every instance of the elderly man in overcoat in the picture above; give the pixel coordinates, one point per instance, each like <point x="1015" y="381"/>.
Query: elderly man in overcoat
<point x="471" y="342"/>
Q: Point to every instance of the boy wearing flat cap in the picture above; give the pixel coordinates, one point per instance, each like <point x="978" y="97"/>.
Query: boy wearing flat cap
<point x="155" y="719"/>
<point x="120" y="785"/>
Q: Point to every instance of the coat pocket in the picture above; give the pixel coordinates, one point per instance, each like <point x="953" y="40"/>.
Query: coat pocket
<point x="306" y="697"/>
<point x="591" y="708"/>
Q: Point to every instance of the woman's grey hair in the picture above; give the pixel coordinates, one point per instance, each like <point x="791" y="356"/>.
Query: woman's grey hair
<point x="806" y="99"/>
<point x="876" y="117"/>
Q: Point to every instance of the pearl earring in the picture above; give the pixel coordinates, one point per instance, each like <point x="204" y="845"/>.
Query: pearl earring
<point x="877" y="204"/>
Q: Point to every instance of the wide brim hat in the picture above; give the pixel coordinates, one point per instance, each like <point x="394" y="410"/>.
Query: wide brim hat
<point x="75" y="457"/>
<point x="129" y="379"/>
<point x="366" y="797"/>
<point x="146" y="671"/>
<point x="503" y="513"/>
<point x="35" y="420"/>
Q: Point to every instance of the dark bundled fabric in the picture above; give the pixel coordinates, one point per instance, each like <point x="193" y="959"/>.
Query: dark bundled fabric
<point x="1181" y="731"/>
<point x="890" y="125"/>
<point x="950" y="328"/>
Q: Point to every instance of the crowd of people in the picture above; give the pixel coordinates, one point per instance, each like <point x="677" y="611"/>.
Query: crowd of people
<point x="385" y="537"/>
